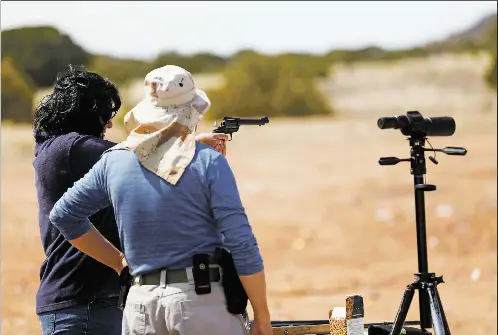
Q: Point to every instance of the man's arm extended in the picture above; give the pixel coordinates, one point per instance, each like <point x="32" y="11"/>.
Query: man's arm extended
<point x="239" y="238"/>
<point x="70" y="215"/>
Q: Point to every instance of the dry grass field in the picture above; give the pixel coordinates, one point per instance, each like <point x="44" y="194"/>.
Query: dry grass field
<point x="329" y="220"/>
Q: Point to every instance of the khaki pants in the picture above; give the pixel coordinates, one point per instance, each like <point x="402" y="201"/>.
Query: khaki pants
<point x="177" y="310"/>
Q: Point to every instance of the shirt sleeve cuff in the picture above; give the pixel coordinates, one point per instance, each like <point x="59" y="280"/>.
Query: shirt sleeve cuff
<point x="248" y="270"/>
<point x="73" y="231"/>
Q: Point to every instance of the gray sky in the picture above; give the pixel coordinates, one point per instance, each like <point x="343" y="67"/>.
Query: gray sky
<point x="143" y="29"/>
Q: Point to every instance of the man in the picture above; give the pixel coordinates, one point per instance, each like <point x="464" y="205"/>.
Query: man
<point x="77" y="295"/>
<point x="175" y="202"/>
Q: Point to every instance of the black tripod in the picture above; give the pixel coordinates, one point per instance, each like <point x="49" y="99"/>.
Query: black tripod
<point x="418" y="128"/>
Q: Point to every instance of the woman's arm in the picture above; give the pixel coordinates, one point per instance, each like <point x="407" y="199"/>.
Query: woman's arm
<point x="98" y="247"/>
<point x="70" y="215"/>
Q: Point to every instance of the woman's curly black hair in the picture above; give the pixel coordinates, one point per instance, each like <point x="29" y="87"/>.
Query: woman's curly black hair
<point x="81" y="102"/>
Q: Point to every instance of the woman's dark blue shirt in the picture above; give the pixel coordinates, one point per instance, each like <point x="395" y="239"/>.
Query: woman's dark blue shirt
<point x="67" y="276"/>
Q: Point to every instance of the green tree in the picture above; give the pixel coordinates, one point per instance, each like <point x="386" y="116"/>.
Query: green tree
<point x="41" y="52"/>
<point x="206" y="63"/>
<point x="244" y="53"/>
<point x="119" y="70"/>
<point x="17" y="95"/>
<point x="197" y="63"/>
<point x="258" y="85"/>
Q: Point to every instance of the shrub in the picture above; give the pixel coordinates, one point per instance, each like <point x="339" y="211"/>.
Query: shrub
<point x="491" y="47"/>
<point x="307" y="65"/>
<point x="17" y="94"/>
<point x="125" y="108"/>
<point x="257" y="85"/>
<point x="491" y="75"/>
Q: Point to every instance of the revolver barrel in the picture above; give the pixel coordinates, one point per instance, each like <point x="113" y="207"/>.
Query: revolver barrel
<point x="254" y="122"/>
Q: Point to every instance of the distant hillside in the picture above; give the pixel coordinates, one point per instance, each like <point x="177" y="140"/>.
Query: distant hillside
<point x="476" y="36"/>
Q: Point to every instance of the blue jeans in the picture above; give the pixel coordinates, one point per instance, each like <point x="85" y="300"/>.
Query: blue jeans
<point x="95" y="318"/>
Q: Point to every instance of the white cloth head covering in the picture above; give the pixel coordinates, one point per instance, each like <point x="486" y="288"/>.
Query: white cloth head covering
<point x="161" y="127"/>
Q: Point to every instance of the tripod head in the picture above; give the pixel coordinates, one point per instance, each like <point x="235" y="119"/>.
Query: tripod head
<point x="414" y="125"/>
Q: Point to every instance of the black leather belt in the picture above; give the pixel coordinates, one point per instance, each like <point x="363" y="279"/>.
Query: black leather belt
<point x="172" y="277"/>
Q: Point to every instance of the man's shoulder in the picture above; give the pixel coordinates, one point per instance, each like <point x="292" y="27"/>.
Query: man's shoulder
<point x="120" y="154"/>
<point x="206" y="151"/>
<point x="206" y="154"/>
<point x="210" y="159"/>
<point x="118" y="159"/>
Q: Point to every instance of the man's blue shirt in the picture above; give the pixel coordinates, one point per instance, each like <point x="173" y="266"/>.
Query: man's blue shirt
<point x="162" y="225"/>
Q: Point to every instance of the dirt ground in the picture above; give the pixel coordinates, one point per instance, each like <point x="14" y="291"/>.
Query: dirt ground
<point x="329" y="220"/>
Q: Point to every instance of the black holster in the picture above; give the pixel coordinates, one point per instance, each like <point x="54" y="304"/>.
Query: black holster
<point x="125" y="280"/>
<point x="235" y="295"/>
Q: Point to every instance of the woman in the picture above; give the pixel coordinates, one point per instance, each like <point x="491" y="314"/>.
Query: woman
<point x="77" y="294"/>
<point x="174" y="200"/>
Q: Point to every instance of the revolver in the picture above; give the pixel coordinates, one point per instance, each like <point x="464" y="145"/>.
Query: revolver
<point x="230" y="125"/>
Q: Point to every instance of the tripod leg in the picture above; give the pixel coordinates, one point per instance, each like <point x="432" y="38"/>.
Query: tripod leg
<point x="399" y="321"/>
<point x="425" y="311"/>
<point x="438" y="317"/>
<point x="445" y="321"/>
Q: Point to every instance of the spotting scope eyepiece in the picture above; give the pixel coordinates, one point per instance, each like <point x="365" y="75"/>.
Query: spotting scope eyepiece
<point x="414" y="122"/>
<point x="389" y="122"/>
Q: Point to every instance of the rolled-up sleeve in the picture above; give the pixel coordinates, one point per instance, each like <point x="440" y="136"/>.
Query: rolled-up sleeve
<point x="87" y="196"/>
<point x="232" y="220"/>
